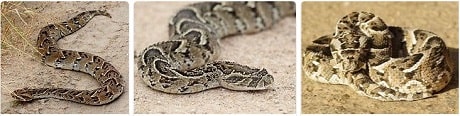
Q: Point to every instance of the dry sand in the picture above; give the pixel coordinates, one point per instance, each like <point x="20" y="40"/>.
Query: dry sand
<point x="273" y="49"/>
<point x="319" y="18"/>
<point x="20" y="67"/>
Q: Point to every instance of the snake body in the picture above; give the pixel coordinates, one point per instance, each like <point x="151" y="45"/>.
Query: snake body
<point x="112" y="83"/>
<point x="387" y="63"/>
<point x="186" y="63"/>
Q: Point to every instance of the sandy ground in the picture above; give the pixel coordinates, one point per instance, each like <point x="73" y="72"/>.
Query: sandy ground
<point x="20" y="67"/>
<point x="319" y="18"/>
<point x="273" y="49"/>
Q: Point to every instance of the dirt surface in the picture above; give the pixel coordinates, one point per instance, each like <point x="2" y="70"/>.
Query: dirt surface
<point x="21" y="66"/>
<point x="273" y="49"/>
<point x="319" y="18"/>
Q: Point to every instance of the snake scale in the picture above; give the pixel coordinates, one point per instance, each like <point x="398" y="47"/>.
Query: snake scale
<point x="112" y="83"/>
<point x="186" y="63"/>
<point x="387" y="63"/>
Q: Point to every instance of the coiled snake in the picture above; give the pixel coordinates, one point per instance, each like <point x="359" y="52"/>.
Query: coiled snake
<point x="186" y="63"/>
<point x="383" y="62"/>
<point x="112" y="83"/>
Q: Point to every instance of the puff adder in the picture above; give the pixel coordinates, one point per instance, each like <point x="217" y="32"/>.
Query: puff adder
<point x="186" y="63"/>
<point x="112" y="83"/>
<point x="387" y="63"/>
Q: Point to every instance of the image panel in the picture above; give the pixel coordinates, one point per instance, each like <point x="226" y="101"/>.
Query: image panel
<point x="64" y="57"/>
<point x="379" y="57"/>
<point x="213" y="57"/>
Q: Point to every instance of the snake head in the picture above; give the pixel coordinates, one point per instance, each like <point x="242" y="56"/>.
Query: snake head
<point x="266" y="80"/>
<point x="259" y="80"/>
<point x="350" y="50"/>
<point x="352" y="60"/>
<point x="103" y="13"/>
<point x="22" y="94"/>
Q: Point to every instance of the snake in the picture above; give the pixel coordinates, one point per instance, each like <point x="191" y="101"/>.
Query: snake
<point x="187" y="62"/>
<point x="110" y="80"/>
<point x="386" y="63"/>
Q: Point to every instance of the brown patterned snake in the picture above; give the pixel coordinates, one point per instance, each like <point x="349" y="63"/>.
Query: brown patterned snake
<point x="382" y="62"/>
<point x="112" y="83"/>
<point x="186" y="63"/>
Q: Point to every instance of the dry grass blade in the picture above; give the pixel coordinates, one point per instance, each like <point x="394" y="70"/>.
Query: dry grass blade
<point x="16" y="32"/>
